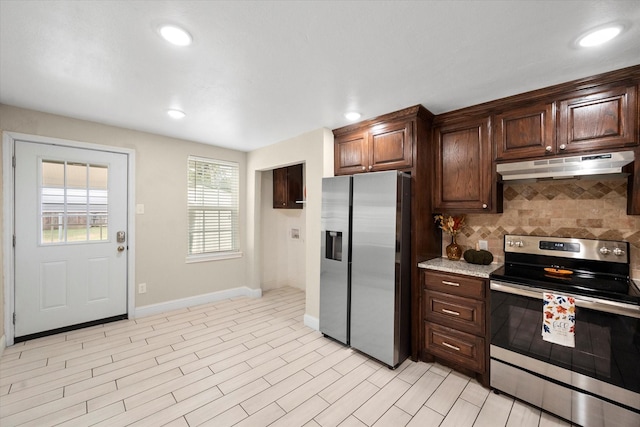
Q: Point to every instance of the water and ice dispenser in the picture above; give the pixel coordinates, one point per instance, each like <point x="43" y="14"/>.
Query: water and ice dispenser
<point x="334" y="245"/>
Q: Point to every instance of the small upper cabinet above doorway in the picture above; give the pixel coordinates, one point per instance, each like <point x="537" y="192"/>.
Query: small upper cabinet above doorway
<point x="288" y="187"/>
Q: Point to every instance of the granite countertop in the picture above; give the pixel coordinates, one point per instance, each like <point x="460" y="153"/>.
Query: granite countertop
<point x="459" y="267"/>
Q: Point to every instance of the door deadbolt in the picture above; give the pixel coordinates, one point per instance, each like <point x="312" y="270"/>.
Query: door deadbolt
<point x="120" y="236"/>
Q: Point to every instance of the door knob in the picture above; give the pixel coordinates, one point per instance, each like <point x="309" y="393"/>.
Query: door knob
<point x="120" y="248"/>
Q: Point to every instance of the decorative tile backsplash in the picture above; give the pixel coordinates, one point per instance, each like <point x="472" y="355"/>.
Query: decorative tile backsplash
<point x="586" y="208"/>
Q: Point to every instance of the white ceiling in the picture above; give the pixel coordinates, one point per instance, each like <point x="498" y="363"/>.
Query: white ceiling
<point x="262" y="72"/>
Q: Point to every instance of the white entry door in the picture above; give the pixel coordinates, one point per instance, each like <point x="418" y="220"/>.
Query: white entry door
<point x="71" y="236"/>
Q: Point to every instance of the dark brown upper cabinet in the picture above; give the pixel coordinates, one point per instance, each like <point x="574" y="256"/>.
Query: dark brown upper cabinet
<point x="288" y="187"/>
<point x="594" y="114"/>
<point x="391" y="146"/>
<point x="351" y="153"/>
<point x="463" y="167"/>
<point x="525" y="132"/>
<point x="579" y="121"/>
<point x="384" y="143"/>
<point x="598" y="120"/>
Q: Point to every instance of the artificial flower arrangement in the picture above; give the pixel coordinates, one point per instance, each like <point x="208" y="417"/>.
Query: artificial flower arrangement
<point x="450" y="224"/>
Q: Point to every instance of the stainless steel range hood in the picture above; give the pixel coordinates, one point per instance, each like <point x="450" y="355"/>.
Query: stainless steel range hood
<point x="566" y="167"/>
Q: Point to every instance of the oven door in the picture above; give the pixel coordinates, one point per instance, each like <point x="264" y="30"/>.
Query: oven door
<point x="597" y="380"/>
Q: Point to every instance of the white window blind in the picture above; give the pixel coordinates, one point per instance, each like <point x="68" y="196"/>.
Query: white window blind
<point x="213" y="206"/>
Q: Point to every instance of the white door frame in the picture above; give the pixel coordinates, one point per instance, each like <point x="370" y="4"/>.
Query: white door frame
<point x="8" y="143"/>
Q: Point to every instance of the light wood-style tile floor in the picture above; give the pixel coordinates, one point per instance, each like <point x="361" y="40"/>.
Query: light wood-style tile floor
<point x="239" y="362"/>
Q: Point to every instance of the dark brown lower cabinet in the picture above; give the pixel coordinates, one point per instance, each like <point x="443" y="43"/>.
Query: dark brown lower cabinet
<point x="463" y="349"/>
<point x="456" y="323"/>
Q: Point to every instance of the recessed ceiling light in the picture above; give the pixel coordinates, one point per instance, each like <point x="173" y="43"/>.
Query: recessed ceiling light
<point x="175" y="35"/>
<point x="353" y="115"/>
<point x="599" y="36"/>
<point x="176" y="114"/>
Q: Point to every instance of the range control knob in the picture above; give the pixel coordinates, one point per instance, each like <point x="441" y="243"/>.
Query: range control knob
<point x="618" y="251"/>
<point x="519" y="244"/>
<point x="605" y="250"/>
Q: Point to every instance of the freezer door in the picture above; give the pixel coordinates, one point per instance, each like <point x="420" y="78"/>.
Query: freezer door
<point x="335" y="257"/>
<point x="376" y="267"/>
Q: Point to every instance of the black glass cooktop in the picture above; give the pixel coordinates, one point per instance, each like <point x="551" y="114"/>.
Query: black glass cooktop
<point x="558" y="279"/>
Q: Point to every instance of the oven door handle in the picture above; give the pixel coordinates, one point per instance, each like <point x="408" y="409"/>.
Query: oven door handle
<point x="606" y="306"/>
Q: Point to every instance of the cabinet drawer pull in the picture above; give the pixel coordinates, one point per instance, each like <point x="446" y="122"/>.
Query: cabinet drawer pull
<point x="455" y="313"/>
<point x="453" y="347"/>
<point x="446" y="282"/>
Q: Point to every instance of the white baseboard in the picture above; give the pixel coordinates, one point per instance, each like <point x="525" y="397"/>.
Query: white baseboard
<point x="3" y="344"/>
<point x="148" y="310"/>
<point x="312" y="322"/>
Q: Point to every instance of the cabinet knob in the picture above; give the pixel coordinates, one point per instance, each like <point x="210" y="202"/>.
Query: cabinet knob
<point x="563" y="146"/>
<point x="484" y="206"/>
<point x="548" y="148"/>
<point x="370" y="167"/>
<point x="364" y="168"/>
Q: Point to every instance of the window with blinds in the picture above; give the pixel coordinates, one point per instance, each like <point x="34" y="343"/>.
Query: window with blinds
<point x="212" y="206"/>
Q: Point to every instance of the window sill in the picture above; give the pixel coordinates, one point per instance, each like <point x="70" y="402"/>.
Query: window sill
<point x="212" y="257"/>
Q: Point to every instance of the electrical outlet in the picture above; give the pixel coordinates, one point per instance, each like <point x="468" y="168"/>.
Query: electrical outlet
<point x="483" y="244"/>
<point x="295" y="233"/>
<point x="142" y="288"/>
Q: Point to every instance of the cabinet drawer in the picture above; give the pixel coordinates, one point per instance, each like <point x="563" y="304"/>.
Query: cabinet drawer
<point x="453" y="284"/>
<point x="458" y="347"/>
<point x="460" y="313"/>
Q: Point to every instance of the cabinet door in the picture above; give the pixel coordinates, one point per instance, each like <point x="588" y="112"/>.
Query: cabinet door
<point x="294" y="187"/>
<point x="391" y="146"/>
<point x="280" y="190"/>
<point x="525" y="132"/>
<point x="463" y="167"/>
<point x="601" y="120"/>
<point x="351" y="153"/>
<point x="287" y="187"/>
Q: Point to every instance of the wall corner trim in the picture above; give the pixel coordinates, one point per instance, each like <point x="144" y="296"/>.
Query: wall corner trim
<point x="3" y="344"/>
<point x="243" y="291"/>
<point x="312" y="322"/>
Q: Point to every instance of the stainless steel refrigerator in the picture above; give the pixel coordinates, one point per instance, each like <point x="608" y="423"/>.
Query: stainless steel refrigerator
<point x="365" y="278"/>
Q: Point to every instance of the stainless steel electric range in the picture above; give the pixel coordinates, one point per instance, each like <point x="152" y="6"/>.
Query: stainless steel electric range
<point x="595" y="379"/>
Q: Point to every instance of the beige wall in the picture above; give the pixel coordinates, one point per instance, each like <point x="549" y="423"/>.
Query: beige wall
<point x="160" y="184"/>
<point x="2" y="275"/>
<point x="283" y="258"/>
<point x="586" y="208"/>
<point x="315" y="150"/>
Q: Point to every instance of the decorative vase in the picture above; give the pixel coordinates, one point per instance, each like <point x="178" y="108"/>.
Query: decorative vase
<point x="454" y="250"/>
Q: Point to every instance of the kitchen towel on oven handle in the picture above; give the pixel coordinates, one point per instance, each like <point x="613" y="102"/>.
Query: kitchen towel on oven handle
<point x="558" y="319"/>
